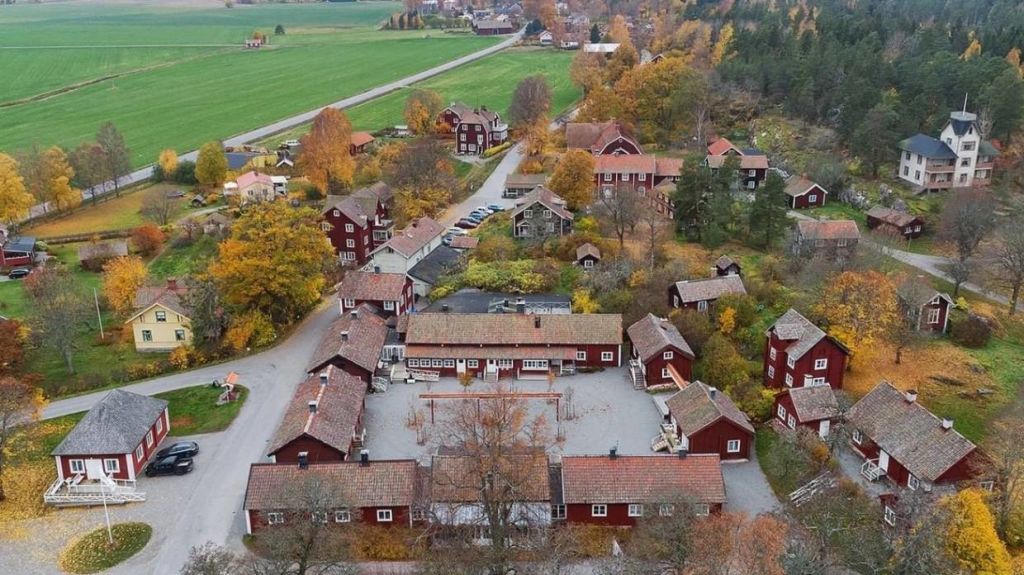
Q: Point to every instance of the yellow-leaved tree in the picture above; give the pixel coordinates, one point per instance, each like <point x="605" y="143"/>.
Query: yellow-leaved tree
<point x="859" y="307"/>
<point x="971" y="538"/>
<point x="583" y="302"/>
<point x="721" y="50"/>
<point x="122" y="277"/>
<point x="973" y="49"/>
<point x="168" y="161"/>
<point x="727" y="320"/>
<point x="211" y="165"/>
<point x="412" y="204"/>
<point x="65" y="197"/>
<point x="325" y="157"/>
<point x="15" y="200"/>
<point x="421" y="110"/>
<point x="274" y="262"/>
<point x="573" y="178"/>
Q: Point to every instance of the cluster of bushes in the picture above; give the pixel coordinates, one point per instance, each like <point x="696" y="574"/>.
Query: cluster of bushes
<point x="491" y="152"/>
<point x="973" y="331"/>
<point x="184" y="174"/>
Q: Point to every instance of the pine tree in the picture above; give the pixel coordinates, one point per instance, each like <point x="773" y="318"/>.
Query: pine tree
<point x="768" y="217"/>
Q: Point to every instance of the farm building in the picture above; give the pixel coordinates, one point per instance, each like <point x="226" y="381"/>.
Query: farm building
<point x="799" y="354"/>
<point x="895" y="223"/>
<point x="360" y="141"/>
<point x="707" y="421"/>
<point x="352" y="343"/>
<point x="926" y="308"/>
<point x="804" y="193"/>
<point x="834" y="239"/>
<point x="17" y="251"/>
<point x="726" y="266"/>
<point x="657" y="345"/>
<point x="587" y="255"/>
<point x="600" y="138"/>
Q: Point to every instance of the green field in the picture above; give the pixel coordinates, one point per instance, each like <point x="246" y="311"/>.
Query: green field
<point x="185" y="77"/>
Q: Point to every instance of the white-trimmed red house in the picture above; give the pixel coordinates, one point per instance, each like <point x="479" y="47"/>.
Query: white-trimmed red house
<point x="457" y="490"/>
<point x="390" y="294"/>
<point x="521" y="346"/>
<point x="450" y="117"/>
<point x="813" y="407"/>
<point x="359" y="223"/>
<point x="587" y="255"/>
<point x="353" y="343"/>
<point x="701" y="294"/>
<point x="656" y="346"/>
<point x="16" y="251"/>
<point x="723" y="147"/>
<point x="707" y="421"/>
<point x="541" y="213"/>
<point x="383" y="493"/>
<point x="833" y="239"/>
<point x="798" y="353"/>
<point x="804" y="193"/>
<point x="115" y="439"/>
<point x="478" y="131"/>
<point x="927" y="309"/>
<point x="908" y="445"/>
<point x="600" y="138"/>
<point x="619" y="490"/>
<point x="324" y="420"/>
<point x="895" y="223"/>
<point x="726" y="266"/>
<point x="752" y="171"/>
<point x="640" y="173"/>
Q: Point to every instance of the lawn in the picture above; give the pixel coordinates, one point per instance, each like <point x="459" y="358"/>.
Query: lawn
<point x="113" y="214"/>
<point x="330" y="52"/>
<point x="194" y="409"/>
<point x="94" y="552"/>
<point x="183" y="261"/>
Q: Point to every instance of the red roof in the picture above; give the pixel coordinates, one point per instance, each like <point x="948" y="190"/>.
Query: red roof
<point x="339" y="403"/>
<point x="720" y="146"/>
<point x="361" y="138"/>
<point x="642" y="479"/>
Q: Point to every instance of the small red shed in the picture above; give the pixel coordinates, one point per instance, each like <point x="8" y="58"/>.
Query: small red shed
<point x="657" y="344"/>
<point x="707" y="421"/>
<point x="812" y="407"/>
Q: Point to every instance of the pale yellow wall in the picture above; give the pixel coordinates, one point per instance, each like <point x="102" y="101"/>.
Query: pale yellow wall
<point x="163" y="332"/>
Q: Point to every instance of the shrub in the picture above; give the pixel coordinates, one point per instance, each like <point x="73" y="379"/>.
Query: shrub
<point x="491" y="152"/>
<point x="185" y="173"/>
<point x="972" y="331"/>
<point x="592" y="540"/>
<point x="148" y="239"/>
<point x="695" y="328"/>
<point x="250" y="329"/>
<point x="179" y="358"/>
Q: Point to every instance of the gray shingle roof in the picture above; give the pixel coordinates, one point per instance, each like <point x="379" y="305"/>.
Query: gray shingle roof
<point x="647" y="479"/>
<point x="709" y="289"/>
<point x="792" y="326"/>
<point x="437" y="263"/>
<point x="814" y="403"/>
<point x="652" y="334"/>
<point x="366" y="332"/>
<point x="693" y="408"/>
<point x="117" y="424"/>
<point x="928" y="147"/>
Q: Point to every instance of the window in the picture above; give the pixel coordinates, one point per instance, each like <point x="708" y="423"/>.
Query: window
<point x="325" y="227"/>
<point x="384" y="516"/>
<point x="348" y="256"/>
<point x="160" y="424"/>
<point x="342" y="516"/>
<point x="791" y="361"/>
<point x="751" y="173"/>
<point x="812" y="198"/>
<point x="607" y="177"/>
<point x="419" y="514"/>
<point x="732" y="446"/>
<point x="966" y="162"/>
<point x="771" y="372"/>
<point x="890" y="515"/>
<point x="933" y="315"/>
<point x="917" y="175"/>
<point x="635" y="510"/>
<point x="987" y="485"/>
<point x="599" y="511"/>
<point x="967" y="146"/>
<point x="664" y="373"/>
<point x="389" y="305"/>
<point x="781" y="411"/>
<point x="535" y="364"/>
<point x="505" y="363"/>
<point x="772" y="353"/>
<point x="702" y="305"/>
<point x="625" y="177"/>
<point x="318" y="517"/>
<point x="841" y="243"/>
<point x="350" y="243"/>
<point x="147" y="335"/>
<point x="139" y="453"/>
<point x="581" y="355"/>
<point x="821" y="363"/>
<point x="963" y="178"/>
<point x="350" y="228"/>
<point x="789" y="379"/>
<point x="751" y="184"/>
<point x="913" y="482"/>
<point x="906" y="155"/>
<point x="702" y="509"/>
<point x="149" y="439"/>
<point x="527" y="214"/>
<point x="667" y="355"/>
<point x="917" y="228"/>
<point x="558" y="511"/>
<point x="462" y="137"/>
<point x="858" y="437"/>
<point x="642" y="177"/>
<point x="818" y="381"/>
<point x="449" y="363"/>
<point x="607" y="356"/>
<point x="547" y="214"/>
<point x="161" y="316"/>
<point x="588" y="263"/>
<point x="906" y="170"/>
<point x="437" y="363"/>
<point x="337" y="213"/>
<point x="472" y="363"/>
<point x="551" y="227"/>
<point x="179" y="335"/>
<point x="275" y="518"/>
<point x="666" y="509"/>
<point x="791" y="422"/>
<point x="349" y="302"/>
<point x="76" y="466"/>
<point x="413" y="363"/>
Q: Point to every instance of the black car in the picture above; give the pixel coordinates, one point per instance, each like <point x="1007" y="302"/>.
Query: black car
<point x="179" y="449"/>
<point x="172" y="465"/>
<point x="19" y="273"/>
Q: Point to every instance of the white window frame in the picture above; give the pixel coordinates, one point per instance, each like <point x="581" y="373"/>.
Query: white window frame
<point x="449" y="363"/>
<point x="821" y="363"/>
<point x="350" y="243"/>
<point x="472" y="363"/>
<point x="987" y="485"/>
<point x="607" y="177"/>
<point x="535" y="364"/>
<point x="789" y="380"/>
<point x="76" y="466"/>
<point x="528" y="213"/>
<point x="437" y="363"/>
<point x="349" y="302"/>
<point x="857" y="437"/>
<point x="913" y="482"/>
<point x="413" y="362"/>
<point x="733" y="446"/>
<point x="665" y="373"/>
<point x="139" y="453"/>
<point x="147" y="335"/>
<point x="607" y="356"/>
<point x="781" y="412"/>
<point x="667" y="355"/>
<point x="348" y="256"/>
<point x="817" y="381"/>
<point x="933" y="315"/>
<point x="342" y="515"/>
<point x="149" y="438"/>
<point x="635" y="510"/>
<point x="702" y="305"/>
<point x="385" y="516"/>
<point x="116" y="468"/>
<point x="889" y="516"/>
<point x="701" y="509"/>
<point x="350" y="228"/>
<point x="160" y="315"/>
<point x="791" y="421"/>
<point x="389" y="305"/>
<point x="599" y="510"/>
<point x="318" y="517"/>
<point x="771" y="372"/>
<point x="505" y="364"/>
<point x="275" y="518"/>
<point x="558" y="511"/>
<point x="811" y="198"/>
<point x="581" y="355"/>
<point x="179" y="335"/>
<point x="666" y="510"/>
<point x="160" y="424"/>
<point x="772" y="354"/>
<point x="641" y="177"/>
<point x="791" y="362"/>
<point x="337" y="213"/>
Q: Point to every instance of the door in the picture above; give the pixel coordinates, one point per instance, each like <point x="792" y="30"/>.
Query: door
<point x="94" y="469"/>
<point x="823" y="428"/>
<point x="460" y="366"/>
<point x="883" y="461"/>
<point x="492" y="365"/>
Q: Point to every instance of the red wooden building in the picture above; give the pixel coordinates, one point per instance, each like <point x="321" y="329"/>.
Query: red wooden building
<point x="115" y="438"/>
<point x="323" y="422"/>
<point x="458" y="490"/>
<point x="600" y="138"/>
<point x="353" y="343"/>
<point x="726" y="266"/>
<point x="359" y="223"/>
<point x="903" y="442"/>
<point x="478" y="131"/>
<point x="391" y="294"/>
<point x="641" y="174"/>
<point x="523" y="346"/>
<point x="707" y="421"/>
<point x="451" y="116"/>
<point x="621" y="490"/>
<point x="927" y="309"/>
<point x="359" y="142"/>
<point x="895" y="223"/>
<point x="812" y="407"/>
<point x="383" y="493"/>
<point x="804" y="193"/>
<point x="753" y="164"/>
<point x="587" y="255"/>
<point x="798" y="353"/>
<point x="657" y="344"/>
<point x="16" y="251"/>
<point x="702" y="294"/>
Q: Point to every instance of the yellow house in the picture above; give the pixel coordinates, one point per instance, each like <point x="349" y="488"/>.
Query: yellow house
<point x="161" y="322"/>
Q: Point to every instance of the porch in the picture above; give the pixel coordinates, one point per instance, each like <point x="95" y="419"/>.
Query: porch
<point x="78" y="491"/>
<point x="863" y="472"/>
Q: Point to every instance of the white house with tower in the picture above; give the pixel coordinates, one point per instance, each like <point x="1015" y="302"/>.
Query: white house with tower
<point x="958" y="158"/>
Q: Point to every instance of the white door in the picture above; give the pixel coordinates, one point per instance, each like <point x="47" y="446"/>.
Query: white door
<point x="94" y="469"/>
<point x="460" y="366"/>
<point x="823" y="428"/>
<point x="883" y="461"/>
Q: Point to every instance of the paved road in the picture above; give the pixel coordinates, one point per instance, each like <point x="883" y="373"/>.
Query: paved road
<point x="288" y="123"/>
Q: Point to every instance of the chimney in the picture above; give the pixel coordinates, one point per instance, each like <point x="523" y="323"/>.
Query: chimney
<point x="323" y="378"/>
<point x="312" y="406"/>
<point x="613" y="452"/>
<point x="172" y="284"/>
<point x="444" y="308"/>
<point x="947" y="424"/>
<point x="344" y="337"/>
<point x="303" y="460"/>
<point x="712" y="392"/>
<point x="536" y="321"/>
<point x="354" y="313"/>
<point x="364" y="457"/>
<point x="911" y="395"/>
<point x="376" y="269"/>
<point x="521" y="306"/>
<point x="682" y="453"/>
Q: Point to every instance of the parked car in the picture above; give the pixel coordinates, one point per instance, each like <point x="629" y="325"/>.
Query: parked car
<point x="454" y="231"/>
<point x="496" y="207"/>
<point x="19" y="273"/>
<point x="484" y="209"/>
<point x="475" y="217"/>
<point x="179" y="449"/>
<point x="291" y="143"/>
<point x="172" y="465"/>
<point x="447" y="239"/>
<point x="467" y="224"/>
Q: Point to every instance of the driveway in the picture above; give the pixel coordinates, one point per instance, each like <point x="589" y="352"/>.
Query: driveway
<point x="747" y="488"/>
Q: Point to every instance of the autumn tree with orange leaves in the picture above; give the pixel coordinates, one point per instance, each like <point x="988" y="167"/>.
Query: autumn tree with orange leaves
<point x="325" y="157"/>
<point x="19" y="401"/>
<point x="122" y="278"/>
<point x="421" y="110"/>
<point x="859" y="308"/>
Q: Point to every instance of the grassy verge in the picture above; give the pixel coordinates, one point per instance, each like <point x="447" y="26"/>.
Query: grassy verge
<point x="183" y="260"/>
<point x="194" y="410"/>
<point x="114" y="214"/>
<point x="94" y="552"/>
<point x="785" y="465"/>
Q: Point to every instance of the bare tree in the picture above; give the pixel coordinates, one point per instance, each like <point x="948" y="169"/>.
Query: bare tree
<point x="1009" y="254"/>
<point x="1005" y="456"/>
<point x="61" y="310"/>
<point x="211" y="559"/>
<point x="531" y="101"/>
<point x="158" y="208"/>
<point x="967" y="219"/>
<point x="918" y="538"/>
<point x="653" y="230"/>
<point x="19" y="402"/>
<point x="903" y="332"/>
<point x="617" y="210"/>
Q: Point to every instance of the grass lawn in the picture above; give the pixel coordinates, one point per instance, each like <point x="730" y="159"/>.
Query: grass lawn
<point x="786" y="466"/>
<point x="182" y="261"/>
<point x="114" y="214"/>
<point x="94" y="552"/>
<point x="194" y="409"/>
<point x="194" y="96"/>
